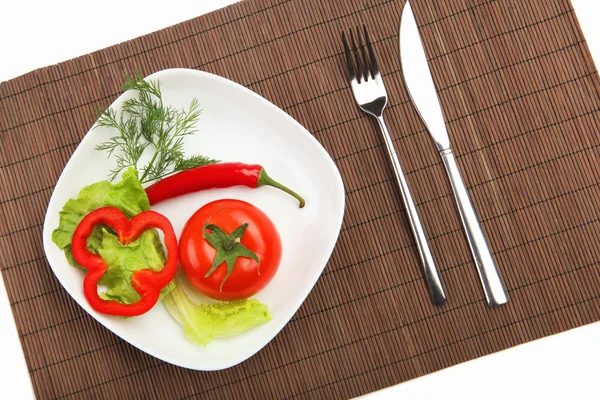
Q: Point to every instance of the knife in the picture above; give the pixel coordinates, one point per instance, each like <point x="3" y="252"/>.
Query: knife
<point x="420" y="87"/>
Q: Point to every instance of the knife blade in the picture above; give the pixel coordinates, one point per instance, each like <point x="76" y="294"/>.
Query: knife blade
<point x="421" y="89"/>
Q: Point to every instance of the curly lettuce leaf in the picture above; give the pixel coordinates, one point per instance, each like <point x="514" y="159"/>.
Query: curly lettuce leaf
<point x="90" y="198"/>
<point x="128" y="195"/>
<point x="146" y="252"/>
<point x="203" y="322"/>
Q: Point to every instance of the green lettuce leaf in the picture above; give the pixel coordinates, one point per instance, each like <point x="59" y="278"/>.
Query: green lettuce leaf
<point x="128" y="195"/>
<point x="203" y="322"/>
<point x="90" y="198"/>
<point x="144" y="252"/>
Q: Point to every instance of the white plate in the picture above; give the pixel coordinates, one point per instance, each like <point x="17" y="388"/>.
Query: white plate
<point x="236" y="125"/>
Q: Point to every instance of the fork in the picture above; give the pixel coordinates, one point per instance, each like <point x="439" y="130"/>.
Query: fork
<point x="370" y="94"/>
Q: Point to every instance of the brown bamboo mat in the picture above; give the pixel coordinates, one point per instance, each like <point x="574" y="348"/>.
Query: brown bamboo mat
<point x="521" y="97"/>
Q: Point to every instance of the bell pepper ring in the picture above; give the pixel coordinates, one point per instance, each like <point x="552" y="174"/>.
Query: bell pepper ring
<point x="146" y="282"/>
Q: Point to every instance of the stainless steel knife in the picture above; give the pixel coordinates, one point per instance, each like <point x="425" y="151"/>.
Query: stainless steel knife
<point x="420" y="86"/>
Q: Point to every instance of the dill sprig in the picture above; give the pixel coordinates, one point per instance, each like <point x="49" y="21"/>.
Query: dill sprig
<point x="146" y="123"/>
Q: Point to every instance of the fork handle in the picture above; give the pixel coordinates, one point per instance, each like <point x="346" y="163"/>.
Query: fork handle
<point x="431" y="274"/>
<point x="493" y="287"/>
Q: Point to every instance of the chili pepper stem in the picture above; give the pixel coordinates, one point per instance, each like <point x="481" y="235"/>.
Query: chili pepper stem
<point x="266" y="180"/>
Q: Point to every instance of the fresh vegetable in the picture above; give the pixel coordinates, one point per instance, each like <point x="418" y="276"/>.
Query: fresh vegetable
<point x="146" y="126"/>
<point x="145" y="252"/>
<point x="90" y="198"/>
<point x="232" y="249"/>
<point x="128" y="195"/>
<point x="229" y="250"/>
<point x="219" y="175"/>
<point x="203" y="322"/>
<point x="147" y="282"/>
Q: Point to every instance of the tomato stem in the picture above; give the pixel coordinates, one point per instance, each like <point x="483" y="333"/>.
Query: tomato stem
<point x="229" y="248"/>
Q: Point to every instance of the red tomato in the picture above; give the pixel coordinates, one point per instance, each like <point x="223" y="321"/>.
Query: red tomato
<point x="196" y="254"/>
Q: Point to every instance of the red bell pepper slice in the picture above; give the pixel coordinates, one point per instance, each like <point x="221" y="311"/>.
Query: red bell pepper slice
<point x="146" y="282"/>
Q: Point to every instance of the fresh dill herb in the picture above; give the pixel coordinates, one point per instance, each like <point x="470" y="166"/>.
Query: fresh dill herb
<point x="145" y="123"/>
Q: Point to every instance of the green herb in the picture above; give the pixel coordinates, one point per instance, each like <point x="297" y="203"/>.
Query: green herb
<point x="146" y="124"/>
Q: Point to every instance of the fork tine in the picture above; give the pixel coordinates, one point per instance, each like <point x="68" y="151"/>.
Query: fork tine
<point x="374" y="67"/>
<point x="351" y="73"/>
<point x="359" y="70"/>
<point x="366" y="67"/>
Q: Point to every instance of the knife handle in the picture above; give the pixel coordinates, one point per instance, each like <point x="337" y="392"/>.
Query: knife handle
<point x="493" y="287"/>
<point x="431" y="274"/>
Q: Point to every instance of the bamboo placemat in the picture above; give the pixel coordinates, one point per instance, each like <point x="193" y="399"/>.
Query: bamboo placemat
<point x="520" y="92"/>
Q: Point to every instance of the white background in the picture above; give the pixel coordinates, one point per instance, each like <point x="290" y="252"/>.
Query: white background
<point x="34" y="34"/>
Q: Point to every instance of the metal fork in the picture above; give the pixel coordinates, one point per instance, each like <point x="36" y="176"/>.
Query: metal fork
<point x="371" y="96"/>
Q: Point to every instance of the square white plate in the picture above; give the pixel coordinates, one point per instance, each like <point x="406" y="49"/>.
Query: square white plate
<point x="236" y="125"/>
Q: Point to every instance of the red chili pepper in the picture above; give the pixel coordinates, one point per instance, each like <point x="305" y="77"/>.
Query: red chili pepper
<point x="146" y="282"/>
<point x="211" y="176"/>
